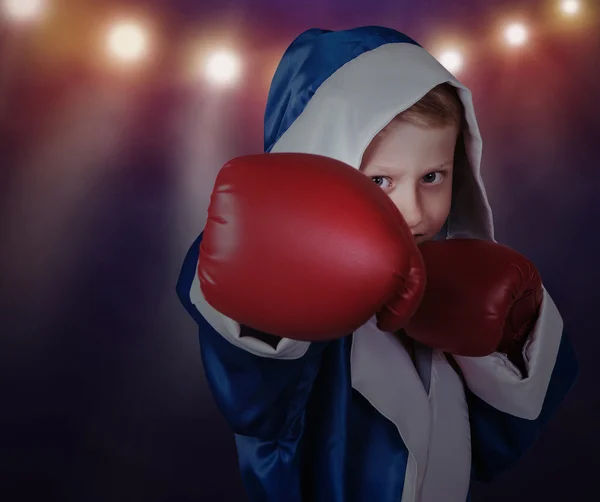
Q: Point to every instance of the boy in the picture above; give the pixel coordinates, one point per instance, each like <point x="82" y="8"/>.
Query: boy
<point x="345" y="373"/>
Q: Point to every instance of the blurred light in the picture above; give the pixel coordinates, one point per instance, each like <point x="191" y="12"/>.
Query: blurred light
<point x="24" y="10"/>
<point x="516" y="34"/>
<point x="223" y="68"/>
<point x="127" y="41"/>
<point x="570" y="7"/>
<point x="452" y="60"/>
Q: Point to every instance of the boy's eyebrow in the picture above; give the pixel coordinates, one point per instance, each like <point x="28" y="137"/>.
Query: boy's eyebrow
<point x="388" y="169"/>
<point x="443" y="164"/>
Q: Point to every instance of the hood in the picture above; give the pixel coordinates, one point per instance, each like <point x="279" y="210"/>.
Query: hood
<point x="334" y="91"/>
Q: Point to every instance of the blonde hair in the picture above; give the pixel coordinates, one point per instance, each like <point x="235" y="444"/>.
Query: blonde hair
<point x="438" y="108"/>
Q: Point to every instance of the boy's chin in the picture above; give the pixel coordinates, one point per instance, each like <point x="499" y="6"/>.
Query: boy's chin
<point x="422" y="238"/>
<point x="429" y="235"/>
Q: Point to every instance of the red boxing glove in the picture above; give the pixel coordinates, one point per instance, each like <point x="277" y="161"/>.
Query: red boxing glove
<point x="306" y="247"/>
<point x="481" y="297"/>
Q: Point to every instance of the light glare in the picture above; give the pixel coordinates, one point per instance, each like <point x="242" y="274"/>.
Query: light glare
<point x="23" y="10"/>
<point x="570" y="7"/>
<point x="452" y="60"/>
<point x="127" y="41"/>
<point x="516" y="34"/>
<point x="223" y="68"/>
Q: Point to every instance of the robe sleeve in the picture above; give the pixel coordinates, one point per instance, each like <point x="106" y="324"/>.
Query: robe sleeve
<point x="508" y="412"/>
<point x="260" y="383"/>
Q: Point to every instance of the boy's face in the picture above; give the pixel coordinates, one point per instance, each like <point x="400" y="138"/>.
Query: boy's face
<point x="414" y="166"/>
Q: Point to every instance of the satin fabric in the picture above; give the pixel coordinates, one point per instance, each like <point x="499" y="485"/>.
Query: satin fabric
<point x="310" y="60"/>
<point x="304" y="434"/>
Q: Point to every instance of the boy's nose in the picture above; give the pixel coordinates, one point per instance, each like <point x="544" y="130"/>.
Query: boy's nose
<point x="410" y="207"/>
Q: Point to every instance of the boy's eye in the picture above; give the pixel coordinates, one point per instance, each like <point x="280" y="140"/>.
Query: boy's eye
<point x="381" y="181"/>
<point x="434" y="177"/>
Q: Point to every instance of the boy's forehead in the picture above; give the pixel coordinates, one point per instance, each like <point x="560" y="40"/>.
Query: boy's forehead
<point x="407" y="145"/>
<point x="398" y="137"/>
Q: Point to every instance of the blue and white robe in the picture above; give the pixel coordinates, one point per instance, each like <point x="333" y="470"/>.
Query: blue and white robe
<point x="359" y="419"/>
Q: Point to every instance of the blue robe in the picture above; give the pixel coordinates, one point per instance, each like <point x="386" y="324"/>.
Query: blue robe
<point x="304" y="434"/>
<point x="307" y="427"/>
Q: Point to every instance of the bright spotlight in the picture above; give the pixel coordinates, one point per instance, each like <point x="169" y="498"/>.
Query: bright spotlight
<point x="223" y="68"/>
<point x="516" y="34"/>
<point x="24" y="10"/>
<point x="452" y="60"/>
<point x="570" y="7"/>
<point x="127" y="41"/>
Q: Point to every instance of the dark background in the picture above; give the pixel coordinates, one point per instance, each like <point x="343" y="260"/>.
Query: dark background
<point x="105" y="176"/>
